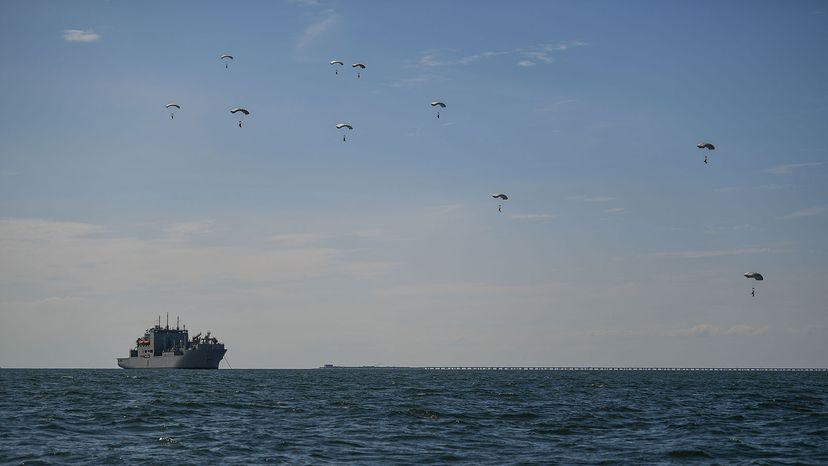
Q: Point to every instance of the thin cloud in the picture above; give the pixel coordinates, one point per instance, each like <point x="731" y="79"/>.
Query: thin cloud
<point x="527" y="56"/>
<point x="694" y="331"/>
<point x="583" y="198"/>
<point x="616" y="210"/>
<point x="726" y="189"/>
<point x="715" y="330"/>
<point x="544" y="53"/>
<point x="533" y="216"/>
<point x="447" y="209"/>
<point x="716" y="253"/>
<point x="555" y="106"/>
<point x="788" y="168"/>
<point x="809" y="212"/>
<point x="80" y="35"/>
<point x="414" y="81"/>
<point x="186" y="230"/>
<point x="317" y="29"/>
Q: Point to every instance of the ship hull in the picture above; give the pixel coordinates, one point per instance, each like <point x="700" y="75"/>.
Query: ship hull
<point x="200" y="358"/>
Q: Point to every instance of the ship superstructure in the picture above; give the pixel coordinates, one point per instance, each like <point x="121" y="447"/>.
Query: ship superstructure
<point x="171" y="348"/>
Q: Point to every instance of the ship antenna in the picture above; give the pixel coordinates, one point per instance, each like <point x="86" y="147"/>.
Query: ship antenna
<point x="177" y="322"/>
<point x="168" y="321"/>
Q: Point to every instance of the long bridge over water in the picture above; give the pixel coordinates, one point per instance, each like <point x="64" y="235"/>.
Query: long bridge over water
<point x="588" y="368"/>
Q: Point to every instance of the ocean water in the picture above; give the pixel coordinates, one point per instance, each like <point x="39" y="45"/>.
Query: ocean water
<point x="387" y="416"/>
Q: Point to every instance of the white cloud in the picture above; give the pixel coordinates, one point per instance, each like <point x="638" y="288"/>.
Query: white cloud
<point x="186" y="230"/>
<point x="317" y="29"/>
<point x="544" y="53"/>
<point x="533" y="216"/>
<point x="555" y="106"/>
<point x="788" y="168"/>
<point x="715" y="330"/>
<point x="616" y="210"/>
<point x="297" y="239"/>
<point x="590" y="198"/>
<point x="809" y="212"/>
<point x="527" y="56"/>
<point x="696" y="330"/>
<point x="448" y="208"/>
<point x="716" y="253"/>
<point x="63" y="257"/>
<point x="80" y="35"/>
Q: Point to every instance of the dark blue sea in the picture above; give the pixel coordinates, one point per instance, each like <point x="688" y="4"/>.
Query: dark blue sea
<point x="398" y="416"/>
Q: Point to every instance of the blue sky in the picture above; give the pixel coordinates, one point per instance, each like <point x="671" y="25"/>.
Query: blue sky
<point x="618" y="245"/>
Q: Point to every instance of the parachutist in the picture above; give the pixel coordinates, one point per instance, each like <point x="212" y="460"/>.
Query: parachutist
<point x="753" y="292"/>
<point x="358" y="75"/>
<point x="705" y="159"/>
<point x="240" y="124"/>
<point x="438" y="115"/>
<point x="343" y="138"/>
<point x="172" y="116"/>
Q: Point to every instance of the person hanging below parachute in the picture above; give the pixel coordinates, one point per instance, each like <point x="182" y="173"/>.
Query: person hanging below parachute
<point x="338" y="64"/>
<point x="344" y="125"/>
<point x="706" y="145"/>
<point x="172" y="105"/>
<point x="755" y="276"/>
<point x="502" y="197"/>
<point x="225" y="58"/>
<point x="240" y="110"/>
<point x="438" y="105"/>
<point x="359" y="66"/>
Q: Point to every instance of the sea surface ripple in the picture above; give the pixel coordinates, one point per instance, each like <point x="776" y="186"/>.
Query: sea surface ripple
<point x="399" y="416"/>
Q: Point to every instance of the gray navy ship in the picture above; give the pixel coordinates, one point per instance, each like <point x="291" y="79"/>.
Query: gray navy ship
<point x="167" y="348"/>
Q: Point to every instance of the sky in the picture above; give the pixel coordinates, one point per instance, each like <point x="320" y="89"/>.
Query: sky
<point x="617" y="246"/>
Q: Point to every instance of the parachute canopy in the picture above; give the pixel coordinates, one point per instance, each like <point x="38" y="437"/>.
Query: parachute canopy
<point x="358" y="65"/>
<point x="239" y="109"/>
<point x="754" y="275"/>
<point x="336" y="62"/>
<point x="343" y="125"/>
<point x="705" y="145"/>
<point x="438" y="104"/>
<point x="227" y="56"/>
<point x="171" y="104"/>
<point x="500" y="196"/>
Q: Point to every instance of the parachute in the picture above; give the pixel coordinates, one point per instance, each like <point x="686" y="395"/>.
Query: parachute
<point x="755" y="276"/>
<point x="242" y="110"/>
<point x="336" y="62"/>
<point x="360" y="66"/>
<point x="226" y="56"/>
<point x="438" y="104"/>
<point x="344" y="125"/>
<point x="500" y="196"/>
<point x="706" y="145"/>
<point x="172" y="105"/>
